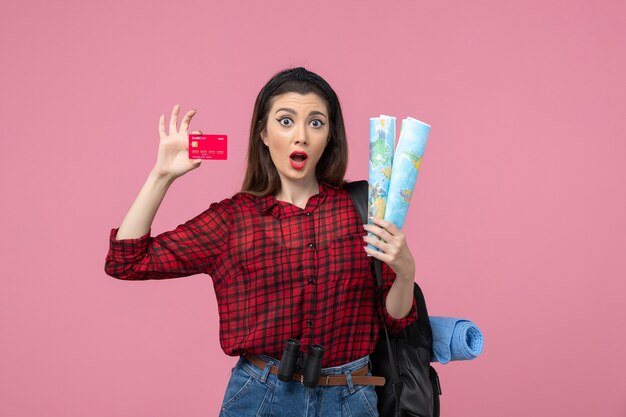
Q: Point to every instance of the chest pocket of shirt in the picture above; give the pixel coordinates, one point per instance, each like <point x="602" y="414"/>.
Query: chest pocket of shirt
<point x="348" y="260"/>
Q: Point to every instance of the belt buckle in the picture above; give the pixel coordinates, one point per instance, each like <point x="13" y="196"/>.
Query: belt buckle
<point x="302" y="379"/>
<point x="327" y="379"/>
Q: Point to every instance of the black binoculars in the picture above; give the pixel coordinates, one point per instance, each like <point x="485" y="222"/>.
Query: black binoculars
<point x="308" y="365"/>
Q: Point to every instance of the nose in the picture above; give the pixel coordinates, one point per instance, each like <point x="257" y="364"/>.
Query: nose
<point x="301" y="134"/>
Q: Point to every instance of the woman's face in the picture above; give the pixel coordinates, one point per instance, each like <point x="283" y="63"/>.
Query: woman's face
<point x="296" y="134"/>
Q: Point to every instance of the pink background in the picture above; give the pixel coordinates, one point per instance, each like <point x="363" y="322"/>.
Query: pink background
<point x="517" y="221"/>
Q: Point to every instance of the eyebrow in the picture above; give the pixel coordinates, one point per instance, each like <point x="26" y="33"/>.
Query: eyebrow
<point x="292" y="111"/>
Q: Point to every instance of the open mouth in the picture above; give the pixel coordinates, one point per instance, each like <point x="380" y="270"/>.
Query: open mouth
<point x="298" y="159"/>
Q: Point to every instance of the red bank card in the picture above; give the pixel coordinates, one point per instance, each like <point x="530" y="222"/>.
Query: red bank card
<point x="208" y="146"/>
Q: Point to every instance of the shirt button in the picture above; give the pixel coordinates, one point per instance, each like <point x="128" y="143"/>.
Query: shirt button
<point x="311" y="280"/>
<point x="309" y="323"/>
<point x="311" y="245"/>
<point x="307" y="214"/>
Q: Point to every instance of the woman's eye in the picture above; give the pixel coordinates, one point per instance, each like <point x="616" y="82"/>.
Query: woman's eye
<point x="317" y="123"/>
<point x="285" y="121"/>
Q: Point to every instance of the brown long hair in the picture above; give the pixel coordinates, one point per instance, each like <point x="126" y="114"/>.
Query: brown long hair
<point x="261" y="177"/>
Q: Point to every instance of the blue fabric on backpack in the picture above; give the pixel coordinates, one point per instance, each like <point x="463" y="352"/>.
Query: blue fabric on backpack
<point x="455" y="339"/>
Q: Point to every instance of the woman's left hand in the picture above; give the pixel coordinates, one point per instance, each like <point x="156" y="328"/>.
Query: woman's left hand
<point x="395" y="251"/>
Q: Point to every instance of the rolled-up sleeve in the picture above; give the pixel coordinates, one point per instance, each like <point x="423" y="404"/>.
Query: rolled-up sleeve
<point x="394" y="325"/>
<point x="192" y="248"/>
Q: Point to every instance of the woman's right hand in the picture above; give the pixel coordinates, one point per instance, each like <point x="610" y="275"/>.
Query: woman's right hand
<point x="173" y="155"/>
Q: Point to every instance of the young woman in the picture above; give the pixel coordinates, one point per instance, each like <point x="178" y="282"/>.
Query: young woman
<point x="287" y="256"/>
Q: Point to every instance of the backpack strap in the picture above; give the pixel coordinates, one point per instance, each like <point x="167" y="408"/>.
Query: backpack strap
<point x="358" y="193"/>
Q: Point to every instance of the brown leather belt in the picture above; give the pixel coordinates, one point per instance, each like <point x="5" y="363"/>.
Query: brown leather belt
<point x="359" y="377"/>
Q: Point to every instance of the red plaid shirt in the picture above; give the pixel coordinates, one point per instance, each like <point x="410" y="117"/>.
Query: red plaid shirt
<point x="279" y="272"/>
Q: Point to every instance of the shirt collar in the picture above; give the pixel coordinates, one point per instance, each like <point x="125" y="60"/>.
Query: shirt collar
<point x="280" y="209"/>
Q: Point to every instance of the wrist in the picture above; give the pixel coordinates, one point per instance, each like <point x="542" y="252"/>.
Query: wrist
<point x="161" y="178"/>
<point x="408" y="276"/>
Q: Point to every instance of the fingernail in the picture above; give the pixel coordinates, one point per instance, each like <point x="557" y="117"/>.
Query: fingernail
<point x="365" y="226"/>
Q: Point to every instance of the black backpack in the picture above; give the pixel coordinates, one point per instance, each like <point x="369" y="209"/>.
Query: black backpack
<point x="412" y="387"/>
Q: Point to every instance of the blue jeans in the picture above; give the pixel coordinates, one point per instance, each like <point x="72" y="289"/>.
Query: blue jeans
<point x="252" y="391"/>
